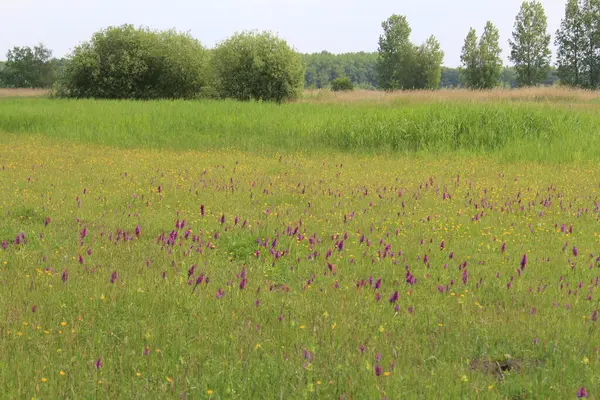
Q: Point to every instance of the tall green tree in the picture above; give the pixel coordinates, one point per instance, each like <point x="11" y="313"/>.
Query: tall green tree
<point x="28" y="67"/>
<point x="402" y="65"/>
<point x="429" y="64"/>
<point x="481" y="61"/>
<point x="470" y="60"/>
<point x="570" y="41"/>
<point x="591" y="56"/>
<point x="396" y="55"/>
<point x="530" y="45"/>
<point x="490" y="57"/>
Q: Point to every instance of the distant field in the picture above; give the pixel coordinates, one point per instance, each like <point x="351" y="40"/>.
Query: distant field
<point x="341" y="250"/>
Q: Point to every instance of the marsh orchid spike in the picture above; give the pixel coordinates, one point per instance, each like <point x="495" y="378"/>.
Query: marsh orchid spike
<point x="243" y="283"/>
<point x="582" y="393"/>
<point x="307" y="355"/>
<point x="575" y="251"/>
<point x="378" y="370"/>
<point x="394" y="297"/>
<point x="65" y="275"/>
<point x="138" y="231"/>
<point x="202" y="210"/>
<point x="114" y="276"/>
<point x="98" y="364"/>
<point x="524" y="261"/>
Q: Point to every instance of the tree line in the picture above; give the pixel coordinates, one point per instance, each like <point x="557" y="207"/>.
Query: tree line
<point x="139" y="63"/>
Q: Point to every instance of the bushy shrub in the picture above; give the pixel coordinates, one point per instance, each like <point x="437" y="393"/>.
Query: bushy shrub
<point x="257" y="66"/>
<point x="128" y="63"/>
<point x="342" y="84"/>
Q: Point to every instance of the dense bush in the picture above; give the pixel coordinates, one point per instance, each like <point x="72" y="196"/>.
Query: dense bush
<point x="257" y="66"/>
<point x="128" y="63"/>
<point x="342" y="84"/>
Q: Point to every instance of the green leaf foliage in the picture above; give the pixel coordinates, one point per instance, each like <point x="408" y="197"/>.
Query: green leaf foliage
<point x="481" y="61"/>
<point x="428" y="66"/>
<point x="28" y="67"/>
<point x="578" y="43"/>
<point x="530" y="45"/>
<point x="128" y="63"/>
<point x="470" y="61"/>
<point x="257" y="66"/>
<point x="402" y="65"/>
<point x="342" y="84"/>
<point x="322" y="68"/>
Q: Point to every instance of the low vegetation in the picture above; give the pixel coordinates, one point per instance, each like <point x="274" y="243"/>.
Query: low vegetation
<point x="147" y="273"/>
<point x="539" y="131"/>
<point x="342" y="84"/>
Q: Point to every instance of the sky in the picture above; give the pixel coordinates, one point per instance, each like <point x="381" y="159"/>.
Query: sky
<point x="309" y="26"/>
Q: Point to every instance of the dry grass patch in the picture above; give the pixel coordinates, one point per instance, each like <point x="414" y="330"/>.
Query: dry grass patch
<point x="23" y="92"/>
<point x="541" y="94"/>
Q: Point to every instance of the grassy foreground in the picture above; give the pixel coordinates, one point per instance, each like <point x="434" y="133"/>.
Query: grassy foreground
<point x="509" y="130"/>
<point x="139" y="273"/>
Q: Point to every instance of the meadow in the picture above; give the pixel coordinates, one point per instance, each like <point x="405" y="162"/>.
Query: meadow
<point x="382" y="248"/>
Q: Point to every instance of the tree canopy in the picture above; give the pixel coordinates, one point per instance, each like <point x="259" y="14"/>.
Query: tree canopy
<point x="129" y="63"/>
<point x="402" y="65"/>
<point x="28" y="67"/>
<point x="481" y="61"/>
<point x="578" y="43"/>
<point x="530" y="45"/>
<point x="259" y="66"/>
<point x="322" y="68"/>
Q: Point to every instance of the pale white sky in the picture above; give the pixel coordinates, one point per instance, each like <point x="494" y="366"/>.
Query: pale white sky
<point x="308" y="25"/>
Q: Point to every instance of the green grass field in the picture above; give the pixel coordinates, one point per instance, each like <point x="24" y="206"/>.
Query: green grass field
<point x="356" y="251"/>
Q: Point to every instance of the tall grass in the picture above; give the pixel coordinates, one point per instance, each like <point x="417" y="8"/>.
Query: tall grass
<point x="511" y="130"/>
